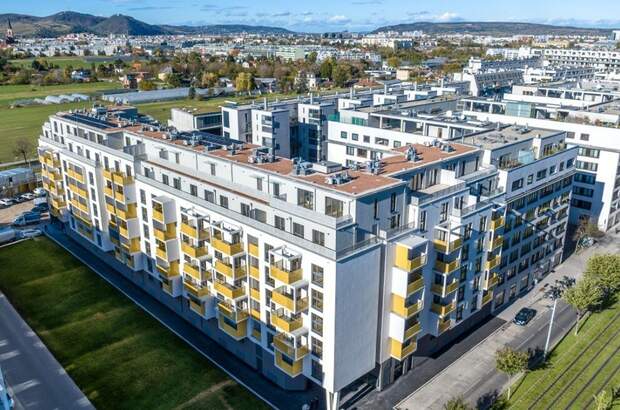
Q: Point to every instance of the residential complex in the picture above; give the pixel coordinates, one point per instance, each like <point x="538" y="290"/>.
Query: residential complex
<point x="393" y="242"/>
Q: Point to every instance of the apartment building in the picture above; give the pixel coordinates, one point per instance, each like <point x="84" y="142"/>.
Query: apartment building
<point x="593" y="129"/>
<point x="186" y="120"/>
<point x="600" y="59"/>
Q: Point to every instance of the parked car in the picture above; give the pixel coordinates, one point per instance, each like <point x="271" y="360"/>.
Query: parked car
<point x="5" y="203"/>
<point x="524" y="316"/>
<point x="41" y="208"/>
<point x="39" y="192"/>
<point x="27" y="218"/>
<point x="30" y="233"/>
<point x="18" y="199"/>
<point x="27" y="196"/>
<point x="7" y="235"/>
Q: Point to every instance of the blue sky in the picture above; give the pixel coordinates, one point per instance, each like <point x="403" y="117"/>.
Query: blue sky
<point x="334" y="15"/>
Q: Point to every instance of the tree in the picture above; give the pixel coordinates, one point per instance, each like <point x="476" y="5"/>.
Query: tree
<point x="603" y="401"/>
<point x="191" y="93"/>
<point x="147" y="85"/>
<point x="554" y="293"/>
<point x="326" y="68"/>
<point x="586" y="296"/>
<point x="604" y="269"/>
<point x="393" y="62"/>
<point x="511" y="362"/>
<point x="173" y="80"/>
<point x="586" y="229"/>
<point x="244" y="82"/>
<point x="312" y="57"/>
<point x="208" y="80"/>
<point x="341" y="74"/>
<point x="23" y="148"/>
<point x="457" y="403"/>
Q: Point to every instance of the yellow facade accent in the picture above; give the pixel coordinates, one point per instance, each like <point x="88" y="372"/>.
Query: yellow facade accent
<point x="399" y="351"/>
<point x="448" y="247"/>
<point x="402" y="309"/>
<point x="285" y="276"/>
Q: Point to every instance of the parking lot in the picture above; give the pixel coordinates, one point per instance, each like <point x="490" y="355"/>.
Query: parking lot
<point x="8" y="215"/>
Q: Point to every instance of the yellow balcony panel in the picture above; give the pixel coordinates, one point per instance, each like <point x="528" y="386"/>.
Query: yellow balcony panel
<point x="493" y="262"/>
<point x="254" y="272"/>
<point x="167" y="287"/>
<point x="402" y="309"/>
<point x="124" y="232"/>
<point x="197" y="307"/>
<point x="492" y="281"/>
<point x="233" y="314"/>
<point x="255" y="314"/>
<point x="85" y="219"/>
<point x="253" y="249"/>
<point x="288" y="277"/>
<point x="288" y="302"/>
<point x="194" y="232"/>
<point x="413" y="330"/>
<point x="443" y="310"/>
<point x="192" y="271"/>
<point x="160" y="252"/>
<point x="120" y="178"/>
<point x="110" y="208"/>
<point x="284" y="345"/>
<point x="292" y="369"/>
<point x="193" y="251"/>
<point x="170" y="271"/>
<point x="255" y="294"/>
<point x="165" y="235"/>
<point x="286" y="324"/>
<point x="119" y="196"/>
<point x="227" y="248"/>
<point x="228" y="290"/>
<point x="54" y="176"/>
<point x="497" y="223"/>
<point x="228" y="271"/>
<point x="107" y="174"/>
<point x="158" y="216"/>
<point x="58" y="203"/>
<point x="400" y="351"/>
<point x="130" y="213"/>
<point x="195" y="290"/>
<point x="256" y="334"/>
<point x="497" y="242"/>
<point x="75" y="175"/>
<point x="403" y="262"/>
<point x="415" y="285"/>
<point x="108" y="192"/>
<point x="443" y="325"/>
<point x="487" y="298"/>
<point x="237" y="332"/>
<point x="132" y="246"/>
<point x="446" y="268"/>
<point x="445" y="290"/>
<point x="448" y="247"/>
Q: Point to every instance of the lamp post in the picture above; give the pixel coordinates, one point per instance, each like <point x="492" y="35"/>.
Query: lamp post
<point x="554" y="293"/>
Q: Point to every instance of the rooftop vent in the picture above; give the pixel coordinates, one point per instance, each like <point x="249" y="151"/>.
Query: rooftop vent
<point x="338" y="179"/>
<point x="303" y="168"/>
<point x="374" y="167"/>
<point x="411" y="154"/>
<point x="260" y="156"/>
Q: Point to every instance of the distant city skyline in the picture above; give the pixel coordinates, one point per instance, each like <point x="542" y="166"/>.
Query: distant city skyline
<point x="322" y="15"/>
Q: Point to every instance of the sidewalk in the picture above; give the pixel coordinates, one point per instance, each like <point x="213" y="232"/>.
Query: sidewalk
<point x="473" y="376"/>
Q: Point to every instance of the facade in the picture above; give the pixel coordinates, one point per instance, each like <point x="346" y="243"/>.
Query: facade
<point x="601" y="59"/>
<point x="186" y="120"/>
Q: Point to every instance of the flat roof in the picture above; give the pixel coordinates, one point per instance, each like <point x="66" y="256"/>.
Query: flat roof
<point x="494" y="139"/>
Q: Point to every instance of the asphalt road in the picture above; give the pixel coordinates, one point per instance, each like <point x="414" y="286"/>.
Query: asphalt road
<point x="35" y="379"/>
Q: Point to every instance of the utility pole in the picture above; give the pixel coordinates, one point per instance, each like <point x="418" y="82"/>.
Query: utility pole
<point x="554" y="293"/>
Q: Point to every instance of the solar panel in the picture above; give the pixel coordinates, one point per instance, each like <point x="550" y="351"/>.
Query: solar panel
<point x="91" y="121"/>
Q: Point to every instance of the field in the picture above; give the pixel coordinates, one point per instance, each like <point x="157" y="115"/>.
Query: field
<point x="118" y="355"/>
<point x="62" y="62"/>
<point x="579" y="367"/>
<point x="11" y="93"/>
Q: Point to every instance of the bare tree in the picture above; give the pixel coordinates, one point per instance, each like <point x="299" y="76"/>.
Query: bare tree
<point x="23" y="148"/>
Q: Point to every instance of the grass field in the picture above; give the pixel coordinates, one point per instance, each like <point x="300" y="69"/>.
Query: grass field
<point x="11" y="93"/>
<point x="62" y="62"/>
<point x="118" y="355"/>
<point x="579" y="367"/>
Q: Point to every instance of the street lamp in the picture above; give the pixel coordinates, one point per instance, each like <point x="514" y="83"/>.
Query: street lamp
<point x="554" y="293"/>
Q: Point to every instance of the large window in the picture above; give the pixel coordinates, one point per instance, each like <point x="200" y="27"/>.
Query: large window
<point x="305" y="198"/>
<point x="333" y="207"/>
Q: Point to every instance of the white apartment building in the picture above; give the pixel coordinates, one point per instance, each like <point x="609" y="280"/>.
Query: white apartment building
<point x="186" y="120"/>
<point x="601" y="59"/>
<point x="595" y="131"/>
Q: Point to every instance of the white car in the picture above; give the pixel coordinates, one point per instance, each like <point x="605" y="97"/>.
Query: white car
<point x="6" y="202"/>
<point x="30" y="233"/>
<point x="28" y="196"/>
<point x="39" y="192"/>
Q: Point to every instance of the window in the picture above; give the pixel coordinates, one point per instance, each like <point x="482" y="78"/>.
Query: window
<point x="423" y="220"/>
<point x="333" y="207"/>
<point x="355" y="137"/>
<point x="382" y="141"/>
<point x="177" y="183"/>
<point x="279" y="223"/>
<point x="318" y="237"/>
<point x="245" y="209"/>
<point x="317" y="371"/>
<point x="530" y="179"/>
<point x="209" y="196"/>
<point x="193" y="190"/>
<point x="298" y="229"/>
<point x="541" y="174"/>
<point x="317" y="300"/>
<point x="362" y="153"/>
<point x="142" y="197"/>
<point x="343" y="135"/>
<point x="259" y="184"/>
<point x="224" y="201"/>
<point x="585" y="137"/>
<point x="164" y="179"/>
<point x="518" y="184"/>
<point x="317" y="324"/>
<point x="212" y="168"/>
<point x="394" y="221"/>
<point x="585" y="178"/>
<point x="393" y="202"/>
<point x="317" y="275"/>
<point x="587" y="166"/>
<point x="376" y="209"/>
<point x="589" y="152"/>
<point x="367" y="138"/>
<point x="350" y="151"/>
<point x="443" y="214"/>
<point x="305" y="198"/>
<point x="483" y="224"/>
<point x="583" y="191"/>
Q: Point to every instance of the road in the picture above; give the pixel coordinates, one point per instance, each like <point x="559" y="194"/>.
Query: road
<point x="34" y="378"/>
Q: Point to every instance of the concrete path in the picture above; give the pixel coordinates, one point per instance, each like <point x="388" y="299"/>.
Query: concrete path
<point x="473" y="376"/>
<point x="34" y="378"/>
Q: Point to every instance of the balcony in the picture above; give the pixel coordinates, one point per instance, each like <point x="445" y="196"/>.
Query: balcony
<point x="448" y="247"/>
<point x="228" y="290"/>
<point x="129" y="213"/>
<point x="166" y="235"/>
<point x="254" y="272"/>
<point x="402" y="309"/>
<point x="413" y="330"/>
<point x="492" y="262"/>
<point x="447" y="267"/>
<point x="278" y="272"/>
<point x="400" y="351"/>
<point x="445" y="290"/>
<point x="193" y="251"/>
<point x="288" y="302"/>
<point x="497" y="242"/>
<point x="282" y="343"/>
<point x="170" y="271"/>
<point x="443" y="310"/>
<point x="193" y="271"/>
<point x="292" y="369"/>
<point x="158" y="215"/>
<point x="403" y="262"/>
<point x="443" y="325"/>
<point x="167" y="287"/>
<point x="227" y="248"/>
<point x="161" y="253"/>
<point x="119" y="178"/>
<point x="492" y="281"/>
<point x="198" y="291"/>
<point x="415" y="285"/>
<point x="487" y="298"/>
<point x="57" y="203"/>
<point x="54" y="176"/>
<point x="286" y="324"/>
<point x="193" y="232"/>
<point x="233" y="313"/>
<point x="197" y="307"/>
<point x="255" y="314"/>
<point x="75" y="175"/>
<point x="236" y="331"/>
<point x="132" y="245"/>
<point x="497" y="223"/>
<point x="253" y="249"/>
<point x="255" y="294"/>
<point x="236" y="272"/>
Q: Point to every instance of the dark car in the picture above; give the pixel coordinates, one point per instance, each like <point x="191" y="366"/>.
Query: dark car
<point x="40" y="208"/>
<point x="524" y="316"/>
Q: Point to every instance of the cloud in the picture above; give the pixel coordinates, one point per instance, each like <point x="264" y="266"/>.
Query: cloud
<point x="448" y="16"/>
<point x="282" y="14"/>
<point x="340" y="19"/>
<point x="150" y="8"/>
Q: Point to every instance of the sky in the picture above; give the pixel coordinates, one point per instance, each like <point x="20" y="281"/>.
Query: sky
<point x="334" y="15"/>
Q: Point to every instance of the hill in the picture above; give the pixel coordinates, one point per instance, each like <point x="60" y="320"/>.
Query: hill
<point x="492" y="28"/>
<point x="71" y="22"/>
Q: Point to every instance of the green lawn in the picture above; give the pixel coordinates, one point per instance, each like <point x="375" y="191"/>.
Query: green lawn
<point x="577" y="368"/>
<point x="119" y="356"/>
<point x="62" y="62"/>
<point x="11" y="93"/>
